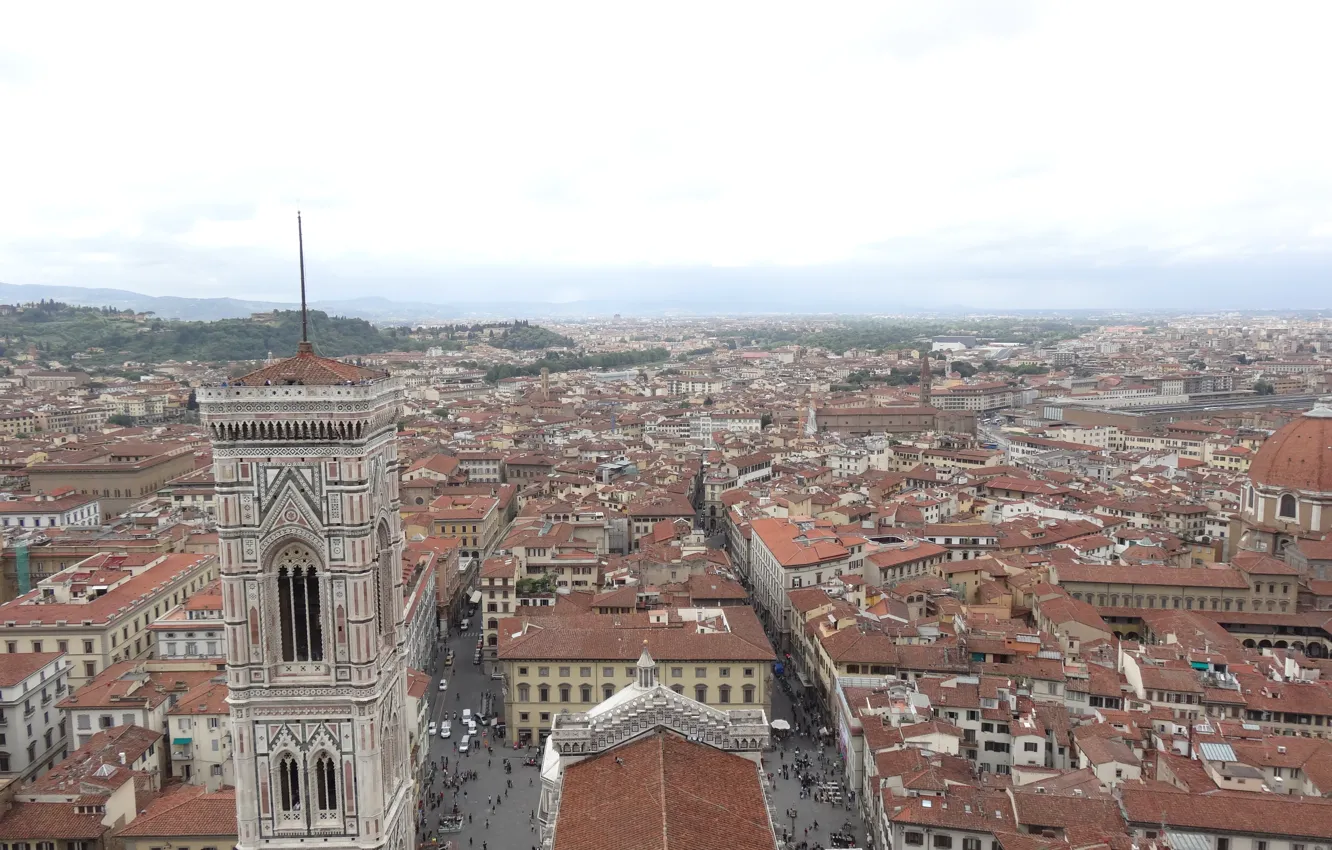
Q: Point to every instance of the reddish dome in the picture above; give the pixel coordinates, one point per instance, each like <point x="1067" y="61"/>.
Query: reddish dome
<point x="1299" y="456"/>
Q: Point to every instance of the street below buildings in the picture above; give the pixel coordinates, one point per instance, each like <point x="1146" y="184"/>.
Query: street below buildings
<point x="494" y="814"/>
<point x="809" y="801"/>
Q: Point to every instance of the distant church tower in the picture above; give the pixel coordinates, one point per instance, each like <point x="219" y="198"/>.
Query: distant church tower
<point x="926" y="374"/>
<point x="305" y="458"/>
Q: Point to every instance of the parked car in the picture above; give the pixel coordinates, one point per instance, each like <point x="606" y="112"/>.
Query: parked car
<point x="467" y="715"/>
<point x="432" y="728"/>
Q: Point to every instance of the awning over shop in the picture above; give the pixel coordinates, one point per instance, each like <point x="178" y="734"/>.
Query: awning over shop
<point x="182" y="742"/>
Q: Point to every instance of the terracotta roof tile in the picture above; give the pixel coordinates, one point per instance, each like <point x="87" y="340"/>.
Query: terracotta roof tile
<point x="187" y="811"/>
<point x="49" y="822"/>
<point x="663" y="793"/>
<point x="309" y="369"/>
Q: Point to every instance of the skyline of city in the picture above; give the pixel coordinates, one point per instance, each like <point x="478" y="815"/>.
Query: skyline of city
<point x="870" y="426"/>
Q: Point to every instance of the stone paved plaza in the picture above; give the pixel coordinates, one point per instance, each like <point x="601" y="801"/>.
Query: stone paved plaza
<point x="509" y="825"/>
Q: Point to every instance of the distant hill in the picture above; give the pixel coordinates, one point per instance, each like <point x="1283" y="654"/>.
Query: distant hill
<point x="62" y="330"/>
<point x="372" y="308"/>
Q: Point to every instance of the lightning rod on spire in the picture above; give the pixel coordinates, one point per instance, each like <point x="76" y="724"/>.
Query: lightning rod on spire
<point x="305" y="325"/>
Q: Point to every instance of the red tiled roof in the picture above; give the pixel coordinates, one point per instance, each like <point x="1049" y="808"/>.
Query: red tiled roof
<point x="309" y="369"/>
<point x="103" y="609"/>
<point x="49" y="822"/>
<point x="17" y="666"/>
<point x="1260" y="814"/>
<point x="187" y="811"/>
<point x="1297" y="456"/>
<point x="663" y="793"/>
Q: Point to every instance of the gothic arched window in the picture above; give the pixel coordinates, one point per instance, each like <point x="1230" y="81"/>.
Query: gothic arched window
<point x="1286" y="507"/>
<point x="325" y="782"/>
<point x="384" y="581"/>
<point x="289" y="784"/>
<point x="299" y="612"/>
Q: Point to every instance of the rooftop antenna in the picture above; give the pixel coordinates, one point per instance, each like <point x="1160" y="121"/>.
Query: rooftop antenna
<point x="305" y="346"/>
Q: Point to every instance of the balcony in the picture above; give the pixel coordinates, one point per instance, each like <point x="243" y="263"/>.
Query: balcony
<point x="29" y="712"/>
<point x="182" y="749"/>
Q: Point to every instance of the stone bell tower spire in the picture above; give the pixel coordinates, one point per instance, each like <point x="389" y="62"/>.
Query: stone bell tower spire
<point x="310" y="543"/>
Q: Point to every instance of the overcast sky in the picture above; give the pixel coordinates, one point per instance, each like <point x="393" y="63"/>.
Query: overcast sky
<point x="969" y="154"/>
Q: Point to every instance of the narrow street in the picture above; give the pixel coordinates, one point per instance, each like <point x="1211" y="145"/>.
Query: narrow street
<point x="496" y="816"/>
<point x="814" y="820"/>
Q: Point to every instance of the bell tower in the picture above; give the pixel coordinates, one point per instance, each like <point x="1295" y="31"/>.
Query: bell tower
<point x="310" y="543"/>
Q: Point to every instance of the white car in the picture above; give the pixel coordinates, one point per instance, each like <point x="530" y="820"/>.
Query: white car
<point x="467" y="715"/>
<point x="445" y="730"/>
<point x="443" y="684"/>
<point x="432" y="728"/>
<point x="471" y="727"/>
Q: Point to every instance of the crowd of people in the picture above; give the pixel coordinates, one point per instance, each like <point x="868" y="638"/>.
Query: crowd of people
<point x="804" y="757"/>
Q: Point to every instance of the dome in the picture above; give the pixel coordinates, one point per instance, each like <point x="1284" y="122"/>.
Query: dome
<point x="1299" y="456"/>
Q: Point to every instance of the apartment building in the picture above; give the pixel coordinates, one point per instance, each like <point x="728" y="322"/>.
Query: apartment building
<point x="644" y="514"/>
<point x="695" y="385"/>
<point x="32" y="729"/>
<point x="193" y="631"/>
<point x="51" y="511"/>
<point x="556" y="663"/>
<point x="15" y="422"/>
<point x="1187" y="588"/>
<point x="482" y="467"/>
<point x="1229" y="821"/>
<point x="75" y="419"/>
<point x="474" y="520"/>
<point x="571" y="552"/>
<point x="499" y="595"/>
<point x="787" y="554"/>
<point x="727" y="476"/>
<point x="120" y="475"/>
<point x="99" y="611"/>
<point x="131" y="693"/>
<point x="978" y="397"/>
<point x="199" y="731"/>
<point x="51" y="381"/>
<point x="419" y="580"/>
<point x="703" y="425"/>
